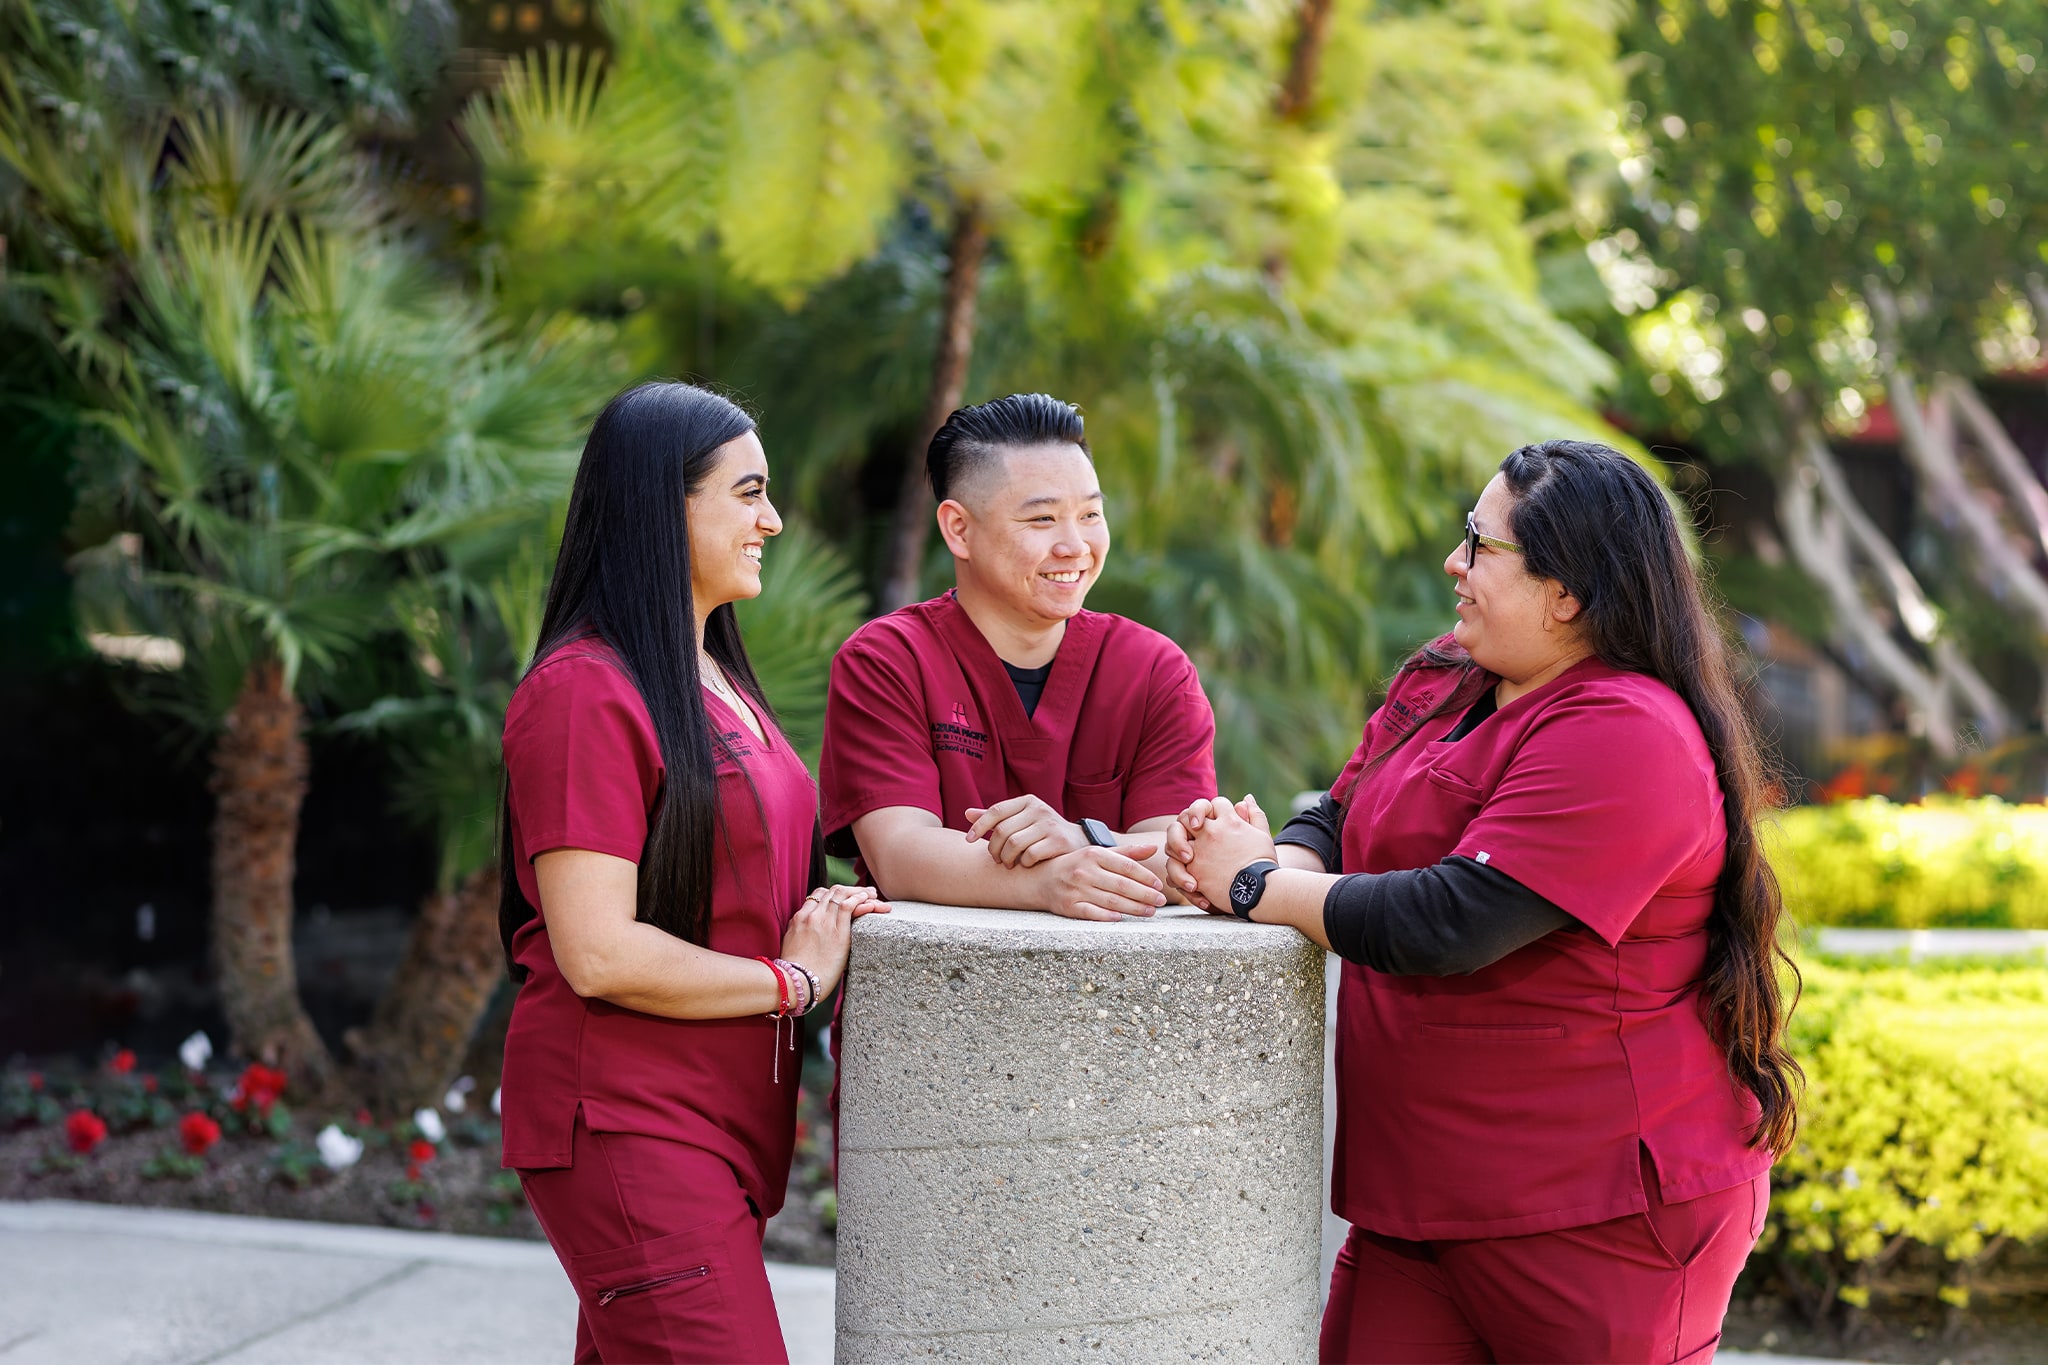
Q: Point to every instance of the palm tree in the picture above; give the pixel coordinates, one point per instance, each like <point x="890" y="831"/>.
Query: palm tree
<point x="268" y="372"/>
<point x="1283" y="258"/>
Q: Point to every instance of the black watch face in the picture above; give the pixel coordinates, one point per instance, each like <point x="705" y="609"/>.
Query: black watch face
<point x="1244" y="888"/>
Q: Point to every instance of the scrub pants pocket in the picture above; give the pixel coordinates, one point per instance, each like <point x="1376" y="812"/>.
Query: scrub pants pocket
<point x="663" y="1249"/>
<point x="647" y="1300"/>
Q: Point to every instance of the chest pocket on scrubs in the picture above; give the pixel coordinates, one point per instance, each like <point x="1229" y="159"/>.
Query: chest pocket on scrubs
<point x="1421" y="825"/>
<point x="1098" y="799"/>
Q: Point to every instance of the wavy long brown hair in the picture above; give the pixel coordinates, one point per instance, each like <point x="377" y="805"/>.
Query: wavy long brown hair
<point x="1594" y="520"/>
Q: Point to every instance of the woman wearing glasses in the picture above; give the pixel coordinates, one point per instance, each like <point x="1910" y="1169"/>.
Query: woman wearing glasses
<point x="1560" y="1071"/>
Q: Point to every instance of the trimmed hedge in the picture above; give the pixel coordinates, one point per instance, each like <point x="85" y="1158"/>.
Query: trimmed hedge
<point x="1947" y="861"/>
<point x="1921" y="1167"/>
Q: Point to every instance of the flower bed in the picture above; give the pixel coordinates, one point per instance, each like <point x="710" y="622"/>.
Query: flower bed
<point x="193" y="1138"/>
<point x="1947" y="861"/>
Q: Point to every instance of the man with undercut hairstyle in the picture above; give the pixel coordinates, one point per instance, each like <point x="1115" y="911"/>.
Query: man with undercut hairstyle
<point x="1000" y="745"/>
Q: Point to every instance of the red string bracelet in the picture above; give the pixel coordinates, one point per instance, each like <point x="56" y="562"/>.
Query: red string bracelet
<point x="782" y="1003"/>
<point x="781" y="987"/>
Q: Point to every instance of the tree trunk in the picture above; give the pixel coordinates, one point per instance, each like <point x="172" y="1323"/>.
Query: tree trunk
<point x="914" y="502"/>
<point x="1952" y="670"/>
<point x="1305" y="62"/>
<point x="259" y="782"/>
<point x="1815" y="533"/>
<point x="409" y="1052"/>
<point x="2004" y="456"/>
<point x="1932" y="453"/>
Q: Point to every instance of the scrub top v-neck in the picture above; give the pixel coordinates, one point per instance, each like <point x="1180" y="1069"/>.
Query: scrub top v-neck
<point x="585" y="771"/>
<point x="922" y="713"/>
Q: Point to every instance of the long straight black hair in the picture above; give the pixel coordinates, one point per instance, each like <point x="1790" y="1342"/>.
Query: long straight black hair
<point x="1594" y="520"/>
<point x="623" y="576"/>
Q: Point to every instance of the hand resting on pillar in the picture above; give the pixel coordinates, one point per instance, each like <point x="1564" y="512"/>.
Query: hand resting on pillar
<point x="914" y="857"/>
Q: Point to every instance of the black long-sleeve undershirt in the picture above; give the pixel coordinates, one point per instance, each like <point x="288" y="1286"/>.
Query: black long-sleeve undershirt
<point x="1447" y="920"/>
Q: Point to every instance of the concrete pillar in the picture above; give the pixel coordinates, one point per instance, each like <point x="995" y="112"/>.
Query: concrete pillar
<point x="1067" y="1140"/>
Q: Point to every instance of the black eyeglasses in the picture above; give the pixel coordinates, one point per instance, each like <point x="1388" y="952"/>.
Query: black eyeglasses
<point x="1473" y="540"/>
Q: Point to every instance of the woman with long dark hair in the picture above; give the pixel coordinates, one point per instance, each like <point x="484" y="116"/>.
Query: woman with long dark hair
<point x="1561" y="1073"/>
<point x="658" y="837"/>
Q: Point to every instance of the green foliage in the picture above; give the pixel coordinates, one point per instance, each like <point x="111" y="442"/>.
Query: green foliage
<point x="173" y="1164"/>
<point x="810" y="602"/>
<point x="300" y="441"/>
<point x="1925" y="1124"/>
<point x="1790" y="157"/>
<point x="1944" y="862"/>
<point x="295" y="1163"/>
<point x="1303" y="340"/>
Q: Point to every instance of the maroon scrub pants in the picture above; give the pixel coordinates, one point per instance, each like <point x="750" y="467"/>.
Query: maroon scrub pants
<point x="664" y="1251"/>
<point x="1648" y="1287"/>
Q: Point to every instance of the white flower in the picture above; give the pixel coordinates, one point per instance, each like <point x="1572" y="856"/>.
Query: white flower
<point x="496" y="1097"/>
<point x="428" y="1121"/>
<point x="338" y="1149"/>
<point x="457" y="1098"/>
<point x="195" y="1052"/>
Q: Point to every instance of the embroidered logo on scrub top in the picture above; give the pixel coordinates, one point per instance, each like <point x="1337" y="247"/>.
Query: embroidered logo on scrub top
<point x="1404" y="714"/>
<point x="735" y="744"/>
<point x="955" y="736"/>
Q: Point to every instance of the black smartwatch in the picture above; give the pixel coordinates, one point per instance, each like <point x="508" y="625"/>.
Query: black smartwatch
<point x="1098" y="834"/>
<point x="1249" y="885"/>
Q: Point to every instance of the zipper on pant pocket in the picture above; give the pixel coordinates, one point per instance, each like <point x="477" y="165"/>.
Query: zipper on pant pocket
<point x="643" y="1286"/>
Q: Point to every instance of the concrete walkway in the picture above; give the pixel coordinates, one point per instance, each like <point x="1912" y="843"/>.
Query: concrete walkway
<point x="118" y="1286"/>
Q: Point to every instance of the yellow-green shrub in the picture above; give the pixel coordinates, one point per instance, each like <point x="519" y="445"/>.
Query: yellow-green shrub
<point x="1946" y="861"/>
<point x="1925" y="1121"/>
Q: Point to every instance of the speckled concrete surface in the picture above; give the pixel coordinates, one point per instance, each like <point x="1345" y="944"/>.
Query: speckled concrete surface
<point x="1062" y="1138"/>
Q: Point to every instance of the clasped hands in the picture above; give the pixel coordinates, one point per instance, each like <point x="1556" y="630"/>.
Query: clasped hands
<point x="1205" y="846"/>
<point x="1210" y="843"/>
<point x="1080" y="880"/>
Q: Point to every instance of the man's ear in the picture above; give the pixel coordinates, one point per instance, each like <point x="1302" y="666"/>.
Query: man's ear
<point x="954" y="521"/>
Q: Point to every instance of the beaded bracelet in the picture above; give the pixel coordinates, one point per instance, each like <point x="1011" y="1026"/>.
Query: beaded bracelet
<point x="810" y="984"/>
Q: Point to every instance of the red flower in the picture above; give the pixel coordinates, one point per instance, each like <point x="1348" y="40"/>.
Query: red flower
<point x="198" y="1132"/>
<point x="123" y="1061"/>
<point x="1846" y="785"/>
<point x="84" y="1130"/>
<point x="412" y="1171"/>
<point x="35" y="1080"/>
<point x="149" y="1085"/>
<point x="365" y="1119"/>
<point x="421" y="1151"/>
<point x="260" y="1085"/>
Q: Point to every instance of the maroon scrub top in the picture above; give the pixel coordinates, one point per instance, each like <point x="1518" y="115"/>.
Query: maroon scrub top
<point x="1514" y="1100"/>
<point x="921" y="713"/>
<point x="585" y="771"/>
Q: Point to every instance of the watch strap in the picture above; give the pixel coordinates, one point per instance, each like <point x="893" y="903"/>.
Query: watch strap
<point x="1258" y="869"/>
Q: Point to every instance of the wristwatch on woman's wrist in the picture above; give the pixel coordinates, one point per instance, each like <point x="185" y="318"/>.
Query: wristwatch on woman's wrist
<point x="1249" y="885"/>
<point x="1098" y="834"/>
